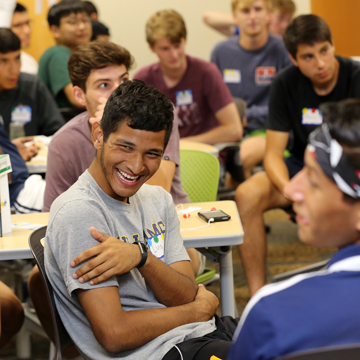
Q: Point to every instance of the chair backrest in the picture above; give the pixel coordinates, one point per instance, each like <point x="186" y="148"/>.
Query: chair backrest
<point x="199" y="175"/>
<point x="344" y="352"/>
<point x="62" y="338"/>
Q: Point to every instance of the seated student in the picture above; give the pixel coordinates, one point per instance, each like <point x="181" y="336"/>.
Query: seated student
<point x="70" y="26"/>
<point x="320" y="76"/>
<point x="26" y="192"/>
<point x="204" y="105"/>
<point x="149" y="302"/>
<point x="281" y="14"/>
<point x="20" y="25"/>
<point x="317" y="309"/>
<point x="11" y="314"/>
<point x="99" y="31"/>
<point x="24" y="97"/>
<point x="249" y="63"/>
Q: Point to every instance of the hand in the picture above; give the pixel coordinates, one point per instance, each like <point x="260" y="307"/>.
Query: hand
<point x="26" y="152"/>
<point x="111" y="257"/>
<point x="207" y="301"/>
<point x="99" y="111"/>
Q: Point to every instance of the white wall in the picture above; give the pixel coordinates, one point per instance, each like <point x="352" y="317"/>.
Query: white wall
<point x="126" y="20"/>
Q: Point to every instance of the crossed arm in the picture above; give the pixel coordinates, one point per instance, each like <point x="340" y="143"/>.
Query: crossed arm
<point x="173" y="285"/>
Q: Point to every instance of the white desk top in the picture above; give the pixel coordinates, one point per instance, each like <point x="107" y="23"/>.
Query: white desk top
<point x="222" y="233"/>
<point x="15" y="245"/>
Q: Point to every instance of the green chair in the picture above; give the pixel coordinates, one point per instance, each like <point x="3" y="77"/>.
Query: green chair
<point x="200" y="179"/>
<point x="199" y="175"/>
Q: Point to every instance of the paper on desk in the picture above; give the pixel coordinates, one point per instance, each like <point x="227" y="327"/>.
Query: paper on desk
<point x="27" y="226"/>
<point x="188" y="210"/>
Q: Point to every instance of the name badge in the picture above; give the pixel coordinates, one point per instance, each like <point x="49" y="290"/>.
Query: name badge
<point x="232" y="76"/>
<point x="184" y="98"/>
<point x="156" y="245"/>
<point x="21" y="113"/>
<point x="264" y="75"/>
<point x="311" y="117"/>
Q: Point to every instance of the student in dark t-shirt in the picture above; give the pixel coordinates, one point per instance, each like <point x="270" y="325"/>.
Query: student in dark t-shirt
<point x="317" y="76"/>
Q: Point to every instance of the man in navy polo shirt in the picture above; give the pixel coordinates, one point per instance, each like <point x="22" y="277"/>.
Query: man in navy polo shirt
<point x="316" y="309"/>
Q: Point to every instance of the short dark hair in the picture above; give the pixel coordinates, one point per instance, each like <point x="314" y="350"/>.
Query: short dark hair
<point x="96" y="55"/>
<point x="9" y="42"/>
<point x="343" y="119"/>
<point x="306" y="29"/>
<point x="90" y="8"/>
<point x="62" y="9"/>
<point x="20" y="8"/>
<point x="143" y="107"/>
<point x="98" y="28"/>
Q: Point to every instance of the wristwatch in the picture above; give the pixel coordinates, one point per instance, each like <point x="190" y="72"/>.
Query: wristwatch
<point x="144" y="253"/>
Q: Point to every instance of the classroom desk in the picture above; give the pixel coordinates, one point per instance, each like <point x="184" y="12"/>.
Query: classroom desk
<point x="220" y="236"/>
<point x="194" y="145"/>
<point x="15" y="245"/>
<point x="38" y="164"/>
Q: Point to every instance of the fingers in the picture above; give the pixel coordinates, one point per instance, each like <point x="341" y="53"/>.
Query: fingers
<point x="26" y="139"/>
<point x="87" y="254"/>
<point x="97" y="235"/>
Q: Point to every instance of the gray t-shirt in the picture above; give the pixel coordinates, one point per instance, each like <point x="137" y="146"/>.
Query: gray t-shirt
<point x="150" y="215"/>
<point x="248" y="74"/>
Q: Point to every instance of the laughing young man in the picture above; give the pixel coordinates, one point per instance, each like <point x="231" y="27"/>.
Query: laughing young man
<point x="317" y="76"/>
<point x="137" y="297"/>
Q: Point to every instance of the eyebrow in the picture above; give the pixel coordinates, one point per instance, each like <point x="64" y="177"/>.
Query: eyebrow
<point x="127" y="142"/>
<point x="106" y="79"/>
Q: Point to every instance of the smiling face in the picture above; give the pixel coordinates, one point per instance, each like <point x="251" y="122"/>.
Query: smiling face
<point x="9" y="70"/>
<point x="100" y="84"/>
<point x="20" y="25"/>
<point x="74" y="29"/>
<point x="317" y="62"/>
<point x="127" y="159"/>
<point x="171" y="56"/>
<point x="252" y="19"/>
<point x="324" y="218"/>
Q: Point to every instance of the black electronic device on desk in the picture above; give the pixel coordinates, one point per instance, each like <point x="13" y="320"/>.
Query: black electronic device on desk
<point x="214" y="215"/>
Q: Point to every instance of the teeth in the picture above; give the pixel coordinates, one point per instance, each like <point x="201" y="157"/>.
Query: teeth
<point x="126" y="176"/>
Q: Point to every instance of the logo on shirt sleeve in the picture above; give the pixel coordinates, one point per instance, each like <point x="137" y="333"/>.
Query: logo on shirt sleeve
<point x="311" y="117"/>
<point x="264" y="75"/>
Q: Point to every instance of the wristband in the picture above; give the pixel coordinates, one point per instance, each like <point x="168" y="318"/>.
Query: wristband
<point x="144" y="253"/>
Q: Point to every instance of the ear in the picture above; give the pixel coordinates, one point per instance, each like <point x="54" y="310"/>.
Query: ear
<point x="97" y="135"/>
<point x="79" y="95"/>
<point x="151" y="47"/>
<point x="357" y="205"/>
<point x="293" y="60"/>
<point x="55" y="31"/>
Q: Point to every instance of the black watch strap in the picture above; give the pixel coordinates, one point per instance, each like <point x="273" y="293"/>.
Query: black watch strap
<point x="144" y="253"/>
